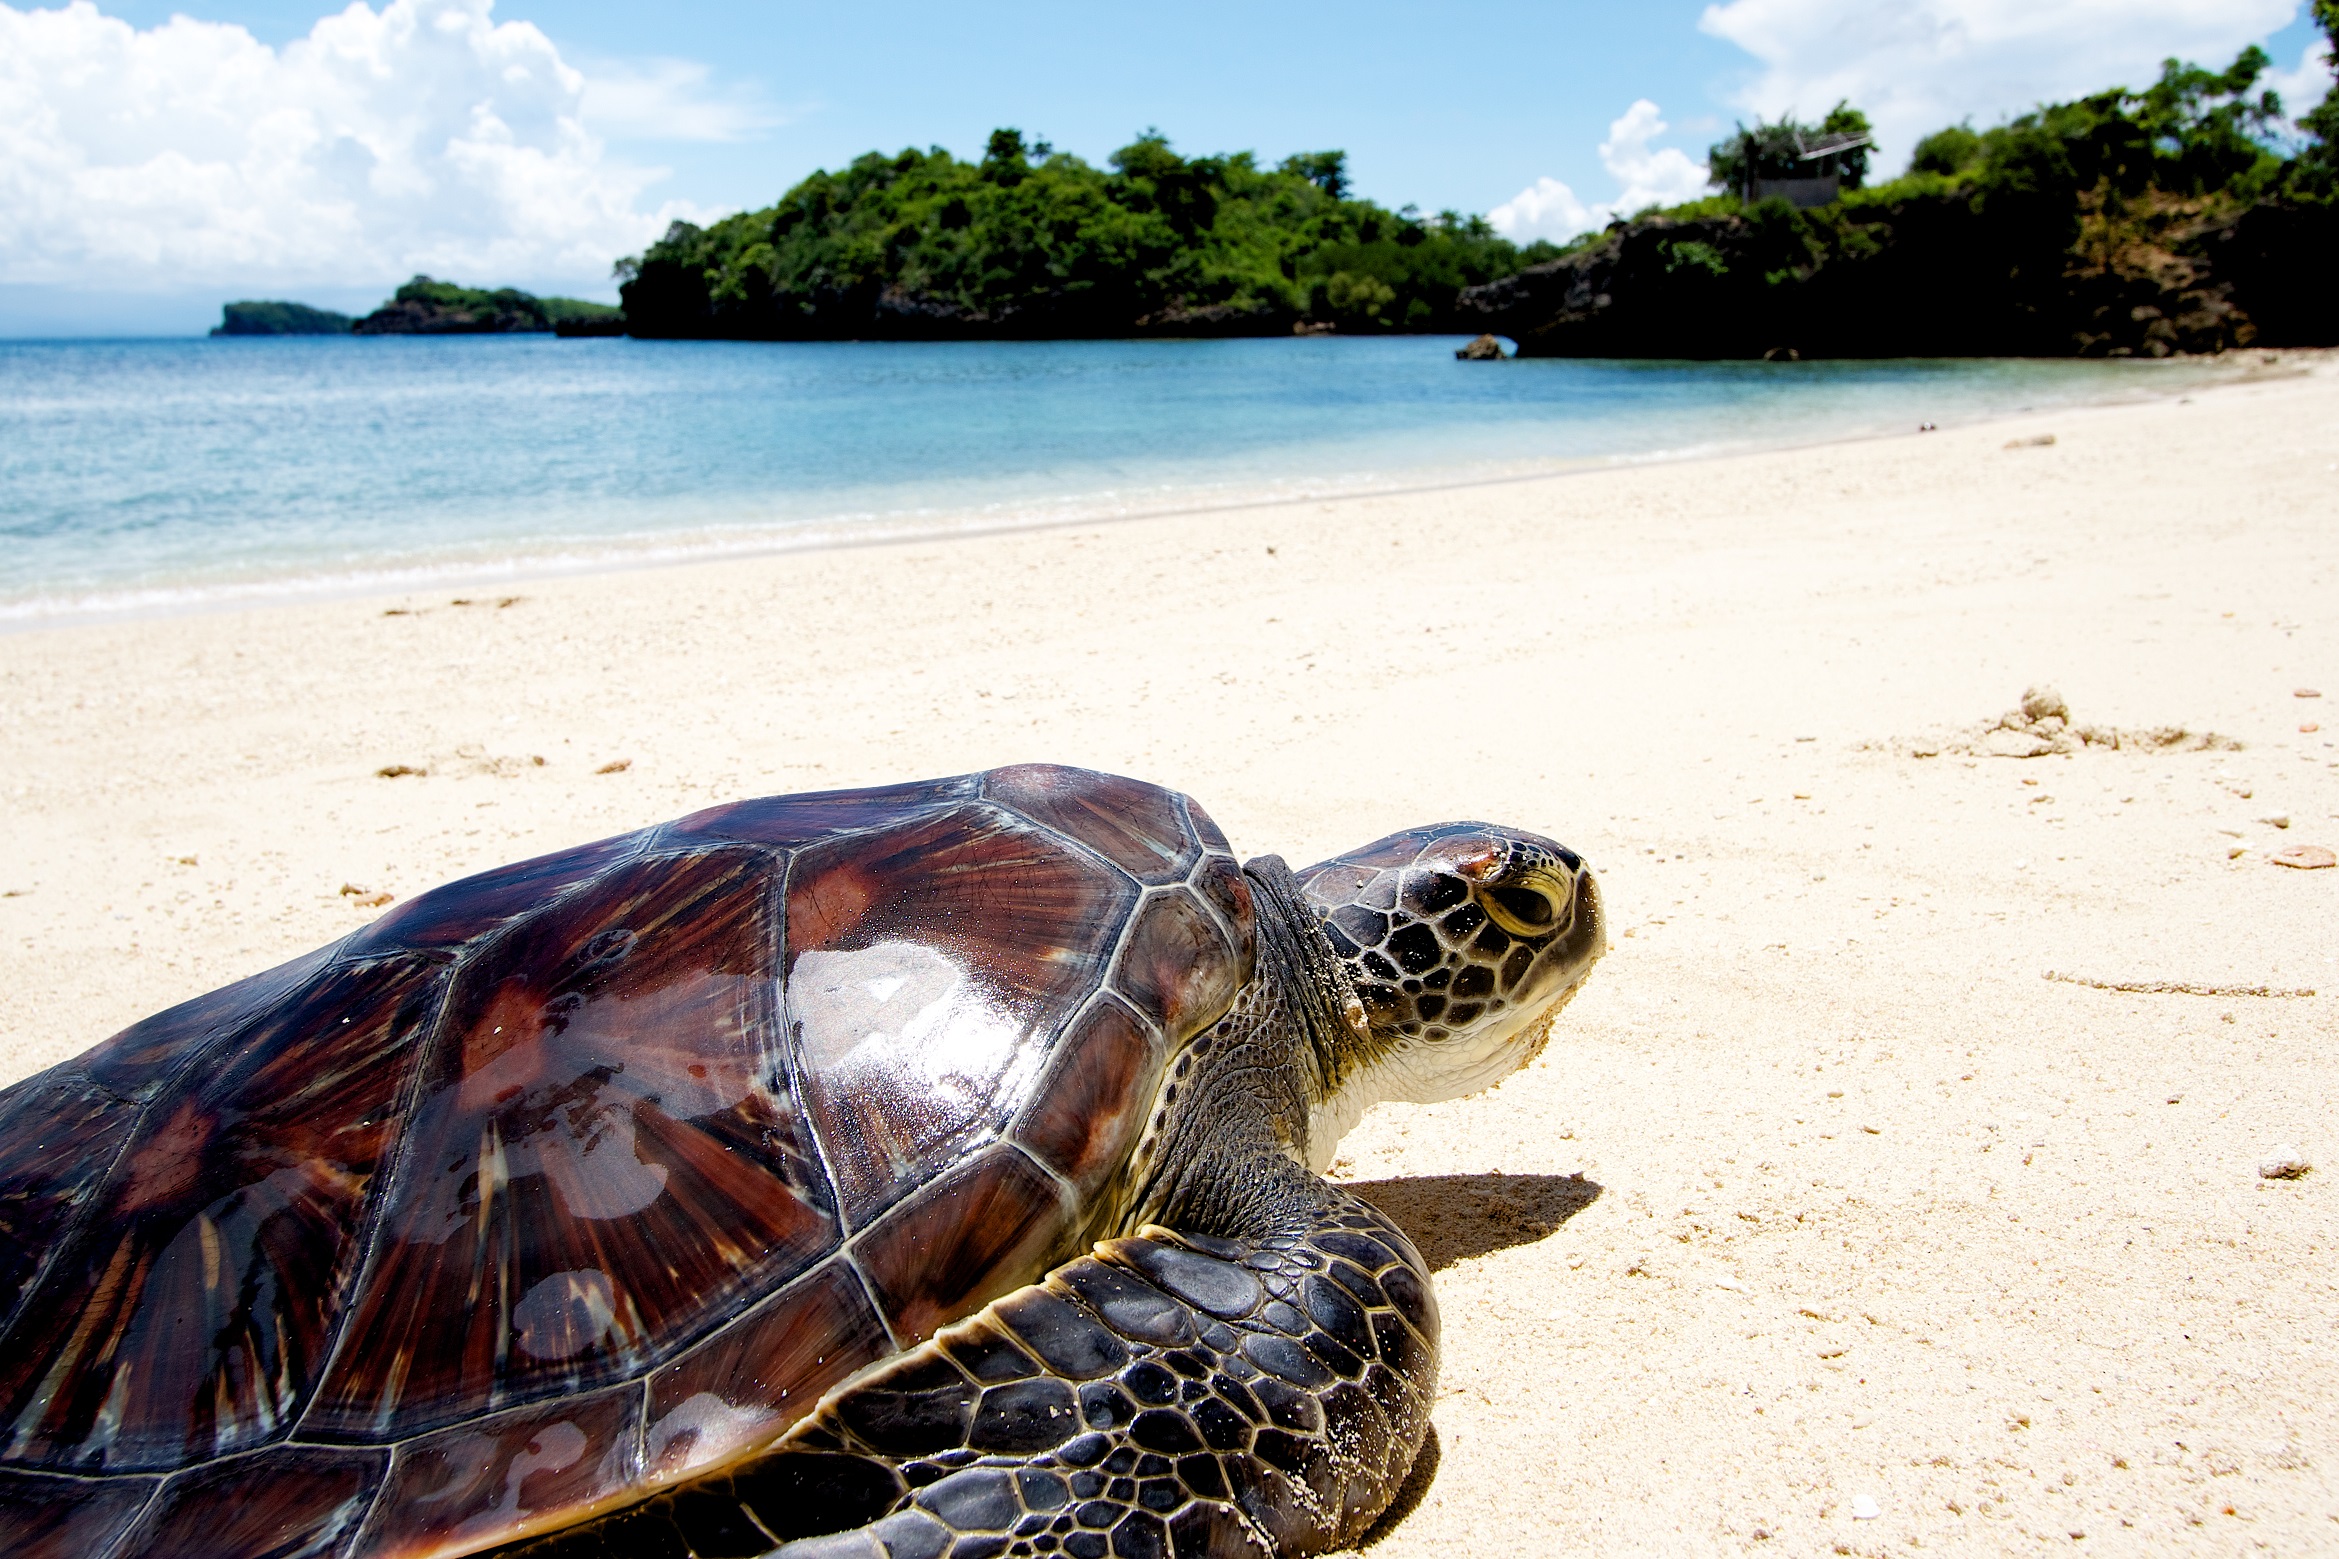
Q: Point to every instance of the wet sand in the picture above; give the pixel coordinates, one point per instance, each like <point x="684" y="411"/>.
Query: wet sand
<point x="1824" y="1193"/>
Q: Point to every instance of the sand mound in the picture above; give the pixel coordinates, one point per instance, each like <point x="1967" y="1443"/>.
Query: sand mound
<point x="2041" y="726"/>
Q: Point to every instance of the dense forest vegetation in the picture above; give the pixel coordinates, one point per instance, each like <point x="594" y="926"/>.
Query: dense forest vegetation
<point x="1031" y="241"/>
<point x="423" y="307"/>
<point x="260" y="317"/>
<point x="2175" y="218"/>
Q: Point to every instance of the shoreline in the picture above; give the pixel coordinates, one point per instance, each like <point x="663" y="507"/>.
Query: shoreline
<point x="1824" y="1198"/>
<point x="850" y="531"/>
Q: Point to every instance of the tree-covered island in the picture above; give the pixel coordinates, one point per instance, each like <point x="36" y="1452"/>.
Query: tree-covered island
<point x="1031" y="241"/>
<point x="426" y="307"/>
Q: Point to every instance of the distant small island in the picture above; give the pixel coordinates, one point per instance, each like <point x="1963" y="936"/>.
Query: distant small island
<point x="258" y="318"/>
<point x="427" y="307"/>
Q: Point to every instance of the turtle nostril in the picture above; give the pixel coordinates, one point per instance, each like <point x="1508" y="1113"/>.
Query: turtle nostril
<point x="1521" y="911"/>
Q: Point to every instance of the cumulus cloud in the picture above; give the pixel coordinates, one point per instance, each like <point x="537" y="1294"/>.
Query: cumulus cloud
<point x="1916" y="65"/>
<point x="422" y="137"/>
<point x="2306" y="85"/>
<point x="1647" y="175"/>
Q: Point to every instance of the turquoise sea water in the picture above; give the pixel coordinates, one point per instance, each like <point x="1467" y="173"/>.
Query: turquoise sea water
<point x="143" y="474"/>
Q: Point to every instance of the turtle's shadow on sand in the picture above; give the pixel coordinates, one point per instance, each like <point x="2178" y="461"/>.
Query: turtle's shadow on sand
<point x="1452" y="1218"/>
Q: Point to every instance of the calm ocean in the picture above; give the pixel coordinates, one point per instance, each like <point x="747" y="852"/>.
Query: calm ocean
<point x="144" y="475"/>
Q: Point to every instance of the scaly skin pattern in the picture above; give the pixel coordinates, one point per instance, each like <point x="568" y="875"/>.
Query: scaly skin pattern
<point x="1168" y="1395"/>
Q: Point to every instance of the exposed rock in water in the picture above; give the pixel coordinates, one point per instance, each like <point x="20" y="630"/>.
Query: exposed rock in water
<point x="1214" y="319"/>
<point x="1486" y="349"/>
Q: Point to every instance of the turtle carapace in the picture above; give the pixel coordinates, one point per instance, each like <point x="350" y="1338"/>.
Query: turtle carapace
<point x="921" y="1171"/>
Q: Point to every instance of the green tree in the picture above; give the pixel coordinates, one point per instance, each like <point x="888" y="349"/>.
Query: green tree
<point x="2317" y="170"/>
<point x="1947" y="152"/>
<point x="1782" y="150"/>
<point x="1029" y="241"/>
<point x="1327" y="171"/>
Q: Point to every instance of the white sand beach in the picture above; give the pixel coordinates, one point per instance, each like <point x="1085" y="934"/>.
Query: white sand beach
<point x="1828" y="1223"/>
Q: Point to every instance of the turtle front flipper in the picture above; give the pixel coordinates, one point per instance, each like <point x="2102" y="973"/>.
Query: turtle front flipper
<point x="1172" y="1393"/>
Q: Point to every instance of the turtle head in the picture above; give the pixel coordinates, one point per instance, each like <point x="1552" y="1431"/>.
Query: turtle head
<point x="1462" y="940"/>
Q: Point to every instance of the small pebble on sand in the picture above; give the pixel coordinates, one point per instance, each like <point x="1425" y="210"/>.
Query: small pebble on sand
<point x="2284" y="1164"/>
<point x="2305" y="857"/>
<point x="2278" y="820"/>
<point x="2306" y="692"/>
<point x="1864" y="1507"/>
<point x="615" y="766"/>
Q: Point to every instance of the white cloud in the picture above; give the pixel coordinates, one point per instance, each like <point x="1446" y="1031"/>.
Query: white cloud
<point x="2308" y="84"/>
<point x="423" y="137"/>
<point x="1916" y="65"/>
<point x="1649" y="176"/>
<point x="1545" y="209"/>
<point x="671" y="100"/>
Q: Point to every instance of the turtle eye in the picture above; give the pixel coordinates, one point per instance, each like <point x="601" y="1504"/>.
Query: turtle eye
<point x="1521" y="910"/>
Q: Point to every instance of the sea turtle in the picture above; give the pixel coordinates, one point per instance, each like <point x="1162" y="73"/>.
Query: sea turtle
<point x="919" y="1171"/>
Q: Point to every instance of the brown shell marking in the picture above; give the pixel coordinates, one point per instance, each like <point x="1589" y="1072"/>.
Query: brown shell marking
<point x="927" y="964"/>
<point x="59" y="1134"/>
<point x="758" y="1375"/>
<point x="43" y="1517"/>
<point x="290" y="1502"/>
<point x="453" y="1491"/>
<point x="597" y="1161"/>
<point x="196" y="1313"/>
<point x="548" y="1188"/>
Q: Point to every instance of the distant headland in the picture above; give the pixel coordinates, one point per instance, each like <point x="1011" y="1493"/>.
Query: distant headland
<point x="2187" y="217"/>
<point x="2123" y="224"/>
<point x="424" y="307"/>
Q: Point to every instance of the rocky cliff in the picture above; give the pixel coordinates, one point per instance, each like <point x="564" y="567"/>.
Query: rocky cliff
<point x="1931" y="276"/>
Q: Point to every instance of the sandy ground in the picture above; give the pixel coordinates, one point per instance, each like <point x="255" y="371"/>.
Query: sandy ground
<point x="1825" y="1196"/>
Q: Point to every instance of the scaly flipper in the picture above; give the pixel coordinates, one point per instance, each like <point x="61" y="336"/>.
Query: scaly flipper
<point x="1173" y="1393"/>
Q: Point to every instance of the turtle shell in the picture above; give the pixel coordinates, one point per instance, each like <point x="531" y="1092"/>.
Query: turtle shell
<point x="565" y="1181"/>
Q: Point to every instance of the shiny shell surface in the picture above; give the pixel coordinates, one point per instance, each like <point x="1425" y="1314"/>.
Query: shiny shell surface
<point x="567" y="1180"/>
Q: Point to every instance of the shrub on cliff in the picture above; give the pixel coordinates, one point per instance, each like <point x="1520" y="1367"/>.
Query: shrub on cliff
<point x="1031" y="241"/>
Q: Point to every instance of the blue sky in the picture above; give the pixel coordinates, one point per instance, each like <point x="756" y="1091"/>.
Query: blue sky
<point x="248" y="150"/>
<point x="1457" y="105"/>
